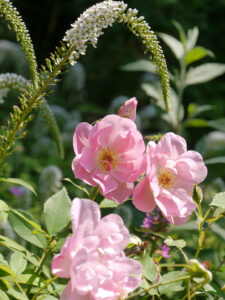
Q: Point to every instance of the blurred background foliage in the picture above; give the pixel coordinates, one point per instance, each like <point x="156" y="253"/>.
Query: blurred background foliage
<point x="98" y="85"/>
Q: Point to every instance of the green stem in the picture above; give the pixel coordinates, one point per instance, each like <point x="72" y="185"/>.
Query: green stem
<point x="158" y="284"/>
<point x="44" y="256"/>
<point x="49" y="281"/>
<point x="203" y="234"/>
<point x="19" y="287"/>
<point x="33" y="101"/>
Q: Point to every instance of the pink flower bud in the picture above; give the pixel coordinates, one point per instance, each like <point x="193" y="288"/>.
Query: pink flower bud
<point x="128" y="110"/>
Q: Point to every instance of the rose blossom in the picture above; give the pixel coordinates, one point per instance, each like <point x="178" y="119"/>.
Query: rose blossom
<point x="93" y="258"/>
<point x="171" y="174"/>
<point x="109" y="154"/>
<point x="128" y="110"/>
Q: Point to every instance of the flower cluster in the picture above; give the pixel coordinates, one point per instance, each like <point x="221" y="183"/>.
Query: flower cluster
<point x="90" y="24"/>
<point x="93" y="258"/>
<point x="111" y="155"/>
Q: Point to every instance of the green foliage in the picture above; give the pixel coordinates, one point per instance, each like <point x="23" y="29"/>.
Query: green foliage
<point x="24" y="224"/>
<point x="18" y="263"/>
<point x="19" y="182"/>
<point x="54" y="219"/>
<point x="149" y="268"/>
<point x="176" y="243"/>
<point x="219" y="200"/>
<point x="106" y="203"/>
<point x="172" y="287"/>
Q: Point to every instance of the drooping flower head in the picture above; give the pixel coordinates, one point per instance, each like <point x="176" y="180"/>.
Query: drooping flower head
<point x="171" y="174"/>
<point x="93" y="258"/>
<point x="128" y="110"/>
<point x="110" y="154"/>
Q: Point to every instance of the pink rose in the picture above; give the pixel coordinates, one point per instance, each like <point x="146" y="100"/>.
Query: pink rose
<point x="128" y="110"/>
<point x="93" y="258"/>
<point x="171" y="174"/>
<point x="110" y="154"/>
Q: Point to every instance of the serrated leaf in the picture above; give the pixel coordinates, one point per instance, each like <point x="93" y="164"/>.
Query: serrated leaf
<point x="218" y="124"/>
<point x="19" y="182"/>
<point x="57" y="211"/>
<point x="196" y="54"/>
<point x="3" y="296"/>
<point x="106" y="203"/>
<point x="175" y="45"/>
<point x="149" y="268"/>
<point x="140" y="65"/>
<point x="10" y="244"/>
<point x="172" y="287"/>
<point x="219" y="200"/>
<point x="25" y="229"/>
<point x="204" y="73"/>
<point x="176" y="243"/>
<point x="18" y="263"/>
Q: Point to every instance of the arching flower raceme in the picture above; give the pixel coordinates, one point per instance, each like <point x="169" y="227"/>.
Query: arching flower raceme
<point x="128" y="110"/>
<point x="171" y="174"/>
<point x="110" y="154"/>
<point x="93" y="258"/>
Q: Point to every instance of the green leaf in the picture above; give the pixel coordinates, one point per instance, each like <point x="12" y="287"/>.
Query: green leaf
<point x="3" y="206"/>
<point x="204" y="73"/>
<point x="6" y="270"/>
<point x="18" y="263"/>
<point x="176" y="243"/>
<point x="140" y="65"/>
<point x="30" y="278"/>
<point x="218" y="124"/>
<point x="218" y="230"/>
<point x="215" y="160"/>
<point x="20" y="182"/>
<point x="77" y="186"/>
<point x="106" y="203"/>
<point x="3" y="211"/>
<point x="175" y="45"/>
<point x="57" y="211"/>
<point x="10" y="244"/>
<point x="192" y="36"/>
<point x="29" y="221"/>
<point x="172" y="287"/>
<point x="196" y="54"/>
<point x="196" y="123"/>
<point x="219" y="200"/>
<point x="3" y="296"/>
<point x="194" y="109"/>
<point x="25" y="230"/>
<point x="149" y="268"/>
<point x="181" y="32"/>
<point x="16" y="295"/>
